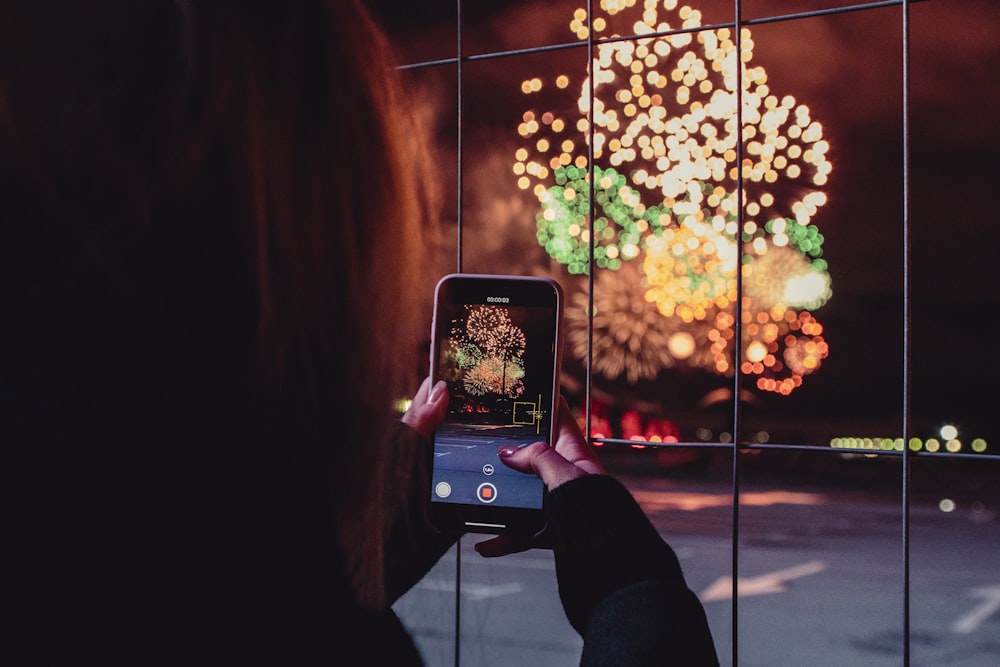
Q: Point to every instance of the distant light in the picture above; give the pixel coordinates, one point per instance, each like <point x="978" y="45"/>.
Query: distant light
<point x="403" y="404"/>
<point x="948" y="432"/>
<point x="916" y="444"/>
<point x="946" y="505"/>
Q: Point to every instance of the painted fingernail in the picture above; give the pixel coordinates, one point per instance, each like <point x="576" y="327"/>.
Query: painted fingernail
<point x="506" y="451"/>
<point x="439" y="390"/>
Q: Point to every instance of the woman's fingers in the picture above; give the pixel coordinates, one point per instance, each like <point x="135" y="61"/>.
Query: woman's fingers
<point x="504" y="545"/>
<point x="428" y="407"/>
<point x="571" y="457"/>
<point x="571" y="444"/>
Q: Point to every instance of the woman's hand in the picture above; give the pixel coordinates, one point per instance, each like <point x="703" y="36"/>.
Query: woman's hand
<point x="571" y="457"/>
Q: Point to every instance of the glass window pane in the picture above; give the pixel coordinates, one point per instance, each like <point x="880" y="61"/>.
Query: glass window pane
<point x="821" y="246"/>
<point x="955" y="592"/>
<point x="820" y="565"/>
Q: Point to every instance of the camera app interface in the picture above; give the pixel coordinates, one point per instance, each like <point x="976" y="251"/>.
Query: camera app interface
<point x="497" y="360"/>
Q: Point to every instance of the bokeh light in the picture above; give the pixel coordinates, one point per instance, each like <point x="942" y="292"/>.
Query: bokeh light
<point x="931" y="445"/>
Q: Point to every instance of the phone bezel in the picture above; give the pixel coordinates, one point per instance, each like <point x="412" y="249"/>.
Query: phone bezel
<point x="481" y="518"/>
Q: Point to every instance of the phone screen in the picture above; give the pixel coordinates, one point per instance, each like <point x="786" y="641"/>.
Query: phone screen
<point x="496" y="343"/>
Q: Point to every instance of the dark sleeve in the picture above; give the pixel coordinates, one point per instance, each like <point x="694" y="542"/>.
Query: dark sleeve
<point x="414" y="545"/>
<point x="620" y="584"/>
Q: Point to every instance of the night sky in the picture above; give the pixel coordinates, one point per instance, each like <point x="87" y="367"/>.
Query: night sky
<point x="848" y="69"/>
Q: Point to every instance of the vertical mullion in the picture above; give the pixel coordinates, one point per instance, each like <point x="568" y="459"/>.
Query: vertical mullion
<point x="458" y="264"/>
<point x="737" y="328"/>
<point x="907" y="306"/>
<point x="460" y="130"/>
<point x="591" y="211"/>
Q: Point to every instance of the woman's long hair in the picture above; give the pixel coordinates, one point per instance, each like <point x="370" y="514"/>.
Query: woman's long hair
<point x="259" y="157"/>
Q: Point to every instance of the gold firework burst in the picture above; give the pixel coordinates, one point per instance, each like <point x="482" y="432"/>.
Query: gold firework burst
<point x="631" y="337"/>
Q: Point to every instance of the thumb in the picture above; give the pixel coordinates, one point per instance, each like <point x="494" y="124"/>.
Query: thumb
<point x="428" y="408"/>
<point x="542" y="460"/>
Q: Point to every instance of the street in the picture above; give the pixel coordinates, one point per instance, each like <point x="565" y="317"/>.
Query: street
<point x="821" y="578"/>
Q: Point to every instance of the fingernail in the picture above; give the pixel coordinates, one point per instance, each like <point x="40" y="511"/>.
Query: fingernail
<point x="506" y="451"/>
<point x="439" y="390"/>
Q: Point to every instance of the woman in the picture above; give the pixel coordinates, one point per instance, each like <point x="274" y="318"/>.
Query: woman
<point x="212" y="231"/>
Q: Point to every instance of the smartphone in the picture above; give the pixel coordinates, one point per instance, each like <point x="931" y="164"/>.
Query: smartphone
<point x="496" y="343"/>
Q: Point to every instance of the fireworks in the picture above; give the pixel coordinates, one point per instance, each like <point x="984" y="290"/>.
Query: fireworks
<point x="782" y="276"/>
<point x="618" y="234"/>
<point x="691" y="271"/>
<point x="662" y="121"/>
<point x="486" y="349"/>
<point x="780" y="346"/>
<point x="630" y="337"/>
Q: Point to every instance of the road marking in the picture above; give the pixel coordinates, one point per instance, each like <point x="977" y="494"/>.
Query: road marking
<point x="772" y="582"/>
<point x="476" y="592"/>
<point x="972" y="620"/>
